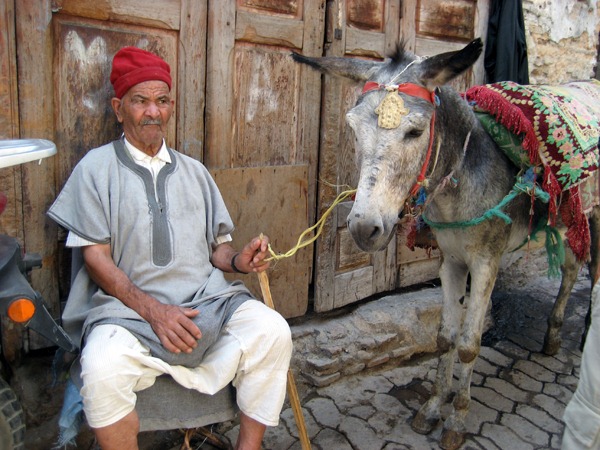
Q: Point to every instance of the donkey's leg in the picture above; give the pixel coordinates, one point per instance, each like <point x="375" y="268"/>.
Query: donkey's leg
<point x="570" y="268"/>
<point x="483" y="278"/>
<point x="454" y="280"/>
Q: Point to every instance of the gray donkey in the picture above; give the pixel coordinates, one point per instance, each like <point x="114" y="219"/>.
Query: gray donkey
<point x="401" y="148"/>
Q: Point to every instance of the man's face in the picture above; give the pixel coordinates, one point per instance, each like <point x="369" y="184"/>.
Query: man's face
<point x="145" y="111"/>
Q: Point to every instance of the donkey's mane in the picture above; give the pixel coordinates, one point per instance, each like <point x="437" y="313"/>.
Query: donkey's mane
<point x="401" y="55"/>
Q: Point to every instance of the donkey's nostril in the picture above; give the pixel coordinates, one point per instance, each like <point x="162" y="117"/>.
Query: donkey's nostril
<point x="375" y="233"/>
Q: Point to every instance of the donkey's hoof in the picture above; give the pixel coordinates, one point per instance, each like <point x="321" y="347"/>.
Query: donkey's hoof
<point x="451" y="440"/>
<point x="422" y="425"/>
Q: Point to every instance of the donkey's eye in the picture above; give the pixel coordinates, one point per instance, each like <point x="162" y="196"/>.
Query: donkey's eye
<point x="414" y="133"/>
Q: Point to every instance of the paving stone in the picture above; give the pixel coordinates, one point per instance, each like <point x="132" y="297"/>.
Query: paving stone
<point x="560" y="393"/>
<point x="360" y="435"/>
<point x="324" y="412"/>
<point x="526" y="342"/>
<point x="569" y="381"/>
<point x="331" y="439"/>
<point x="506" y="389"/>
<point x="383" y="422"/>
<point x="527" y="431"/>
<point x="540" y="418"/>
<point x="483" y="366"/>
<point x="504" y="438"/>
<point x="477" y="379"/>
<point x="551" y="363"/>
<point x="363" y="412"/>
<point x="401" y="376"/>
<point x="478" y="415"/>
<point x="556" y="441"/>
<point x="495" y="357"/>
<point x="551" y="405"/>
<point x="492" y="399"/>
<point x="387" y="403"/>
<point x="288" y="419"/>
<point x="484" y="443"/>
<point x="394" y="446"/>
<point x="524" y="381"/>
<point x="403" y="434"/>
<point x="511" y="350"/>
<point x="535" y="371"/>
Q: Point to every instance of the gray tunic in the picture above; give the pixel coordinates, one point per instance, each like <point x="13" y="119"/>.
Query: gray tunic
<point x="161" y="240"/>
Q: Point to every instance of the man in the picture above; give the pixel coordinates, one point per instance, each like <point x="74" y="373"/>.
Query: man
<point x="150" y="297"/>
<point x="582" y="414"/>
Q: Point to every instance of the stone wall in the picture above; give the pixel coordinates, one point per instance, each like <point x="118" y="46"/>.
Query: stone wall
<point x="562" y="39"/>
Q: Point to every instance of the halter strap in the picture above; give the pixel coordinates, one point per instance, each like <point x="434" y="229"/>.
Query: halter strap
<point x="414" y="90"/>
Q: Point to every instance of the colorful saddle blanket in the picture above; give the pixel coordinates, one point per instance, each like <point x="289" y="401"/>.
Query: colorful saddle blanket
<point x="554" y="128"/>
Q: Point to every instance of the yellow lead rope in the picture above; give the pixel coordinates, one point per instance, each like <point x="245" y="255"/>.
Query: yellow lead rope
<point x="302" y="240"/>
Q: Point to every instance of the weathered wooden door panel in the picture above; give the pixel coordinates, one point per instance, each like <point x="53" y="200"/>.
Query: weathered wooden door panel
<point x="283" y="192"/>
<point x="262" y="111"/>
<point x="83" y="58"/>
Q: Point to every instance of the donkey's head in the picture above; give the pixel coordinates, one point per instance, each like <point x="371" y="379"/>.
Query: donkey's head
<point x="392" y="124"/>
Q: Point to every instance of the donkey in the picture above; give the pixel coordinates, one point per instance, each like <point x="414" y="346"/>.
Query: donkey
<point x="398" y="153"/>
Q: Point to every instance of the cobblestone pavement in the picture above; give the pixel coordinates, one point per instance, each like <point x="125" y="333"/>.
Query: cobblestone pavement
<point x="518" y="393"/>
<point x="365" y="398"/>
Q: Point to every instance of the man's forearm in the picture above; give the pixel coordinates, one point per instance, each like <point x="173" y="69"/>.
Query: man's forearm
<point x="113" y="281"/>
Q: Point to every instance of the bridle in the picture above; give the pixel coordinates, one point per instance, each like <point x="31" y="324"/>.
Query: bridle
<point x="414" y="90"/>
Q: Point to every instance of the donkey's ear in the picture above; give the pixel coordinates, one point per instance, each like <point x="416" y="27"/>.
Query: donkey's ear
<point x="440" y="69"/>
<point x="355" y="69"/>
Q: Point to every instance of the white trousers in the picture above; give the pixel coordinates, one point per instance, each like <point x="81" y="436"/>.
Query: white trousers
<point x="253" y="351"/>
<point x="582" y="414"/>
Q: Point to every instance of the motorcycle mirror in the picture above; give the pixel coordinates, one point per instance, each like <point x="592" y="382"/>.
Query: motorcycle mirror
<point x="18" y="151"/>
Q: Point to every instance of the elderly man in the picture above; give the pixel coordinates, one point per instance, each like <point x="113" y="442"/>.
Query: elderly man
<point x="150" y="297"/>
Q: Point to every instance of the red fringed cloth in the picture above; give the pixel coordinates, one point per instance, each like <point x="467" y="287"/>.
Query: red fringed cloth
<point x="558" y="128"/>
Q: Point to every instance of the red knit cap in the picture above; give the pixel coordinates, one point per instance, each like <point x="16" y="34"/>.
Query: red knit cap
<point x="132" y="65"/>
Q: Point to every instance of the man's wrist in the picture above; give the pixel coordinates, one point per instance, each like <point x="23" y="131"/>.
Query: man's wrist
<point x="233" y="266"/>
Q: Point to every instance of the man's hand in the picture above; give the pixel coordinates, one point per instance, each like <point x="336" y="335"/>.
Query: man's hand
<point x="250" y="259"/>
<point x="174" y="327"/>
<point x="253" y="255"/>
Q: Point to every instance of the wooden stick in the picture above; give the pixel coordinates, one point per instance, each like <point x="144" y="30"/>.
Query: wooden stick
<point x="263" y="279"/>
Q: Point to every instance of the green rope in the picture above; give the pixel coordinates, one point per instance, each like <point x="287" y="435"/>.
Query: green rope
<point x="554" y="244"/>
<point x="496" y="211"/>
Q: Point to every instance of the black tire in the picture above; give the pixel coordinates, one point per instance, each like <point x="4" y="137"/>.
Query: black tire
<point x="12" y="420"/>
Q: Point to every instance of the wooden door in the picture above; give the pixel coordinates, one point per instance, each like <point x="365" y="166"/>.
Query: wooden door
<point x="371" y="29"/>
<point x="262" y="122"/>
<point x="344" y="274"/>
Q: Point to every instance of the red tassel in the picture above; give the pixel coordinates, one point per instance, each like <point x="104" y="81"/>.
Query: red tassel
<point x="552" y="187"/>
<point x="508" y="115"/>
<point x="411" y="236"/>
<point x="578" y="232"/>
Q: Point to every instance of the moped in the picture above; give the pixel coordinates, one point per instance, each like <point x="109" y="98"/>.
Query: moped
<point x="19" y="302"/>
